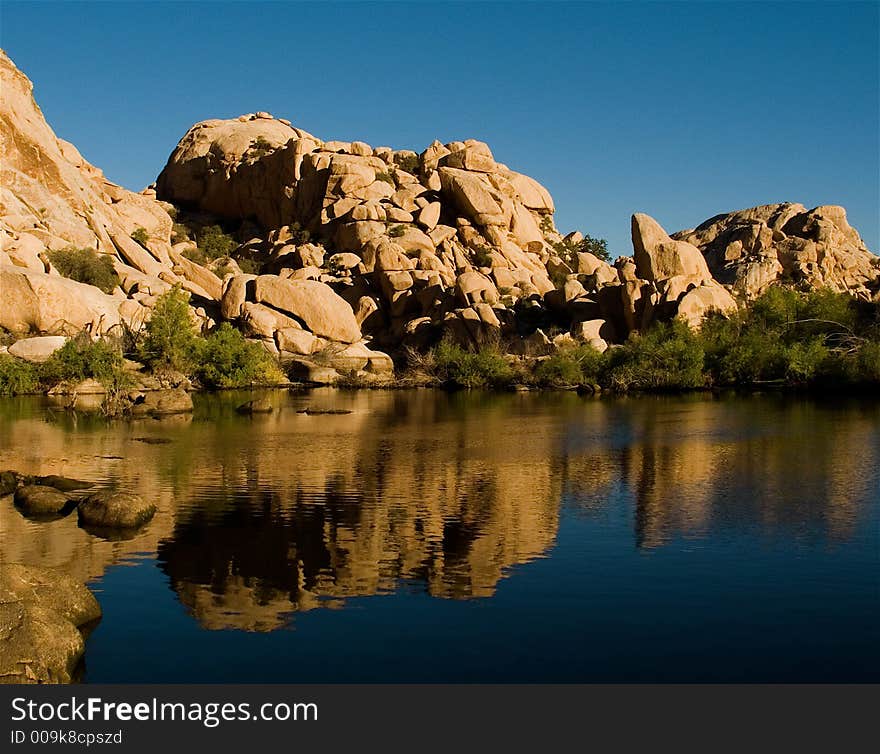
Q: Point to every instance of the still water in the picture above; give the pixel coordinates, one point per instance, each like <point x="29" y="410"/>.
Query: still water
<point x="473" y="537"/>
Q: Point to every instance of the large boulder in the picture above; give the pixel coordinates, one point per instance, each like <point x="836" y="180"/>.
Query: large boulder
<point x="41" y="612"/>
<point x="40" y="500"/>
<point x="114" y="510"/>
<point x="236" y="168"/>
<point x="37" y="350"/>
<point x="703" y="300"/>
<point x="659" y="257"/>
<point x="320" y="309"/>
<point x="38" y="302"/>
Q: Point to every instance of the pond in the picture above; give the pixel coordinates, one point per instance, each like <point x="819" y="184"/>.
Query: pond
<point x="472" y="537"/>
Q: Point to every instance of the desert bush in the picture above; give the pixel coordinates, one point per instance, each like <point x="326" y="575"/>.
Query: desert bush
<point x="141" y="236"/>
<point x="568" y="251"/>
<point x="570" y="366"/>
<point x="259" y="147"/>
<point x="86" y="266"/>
<point x="408" y="163"/>
<point x="17" y="376"/>
<point x="214" y="243"/>
<point x="226" y="359"/>
<point x="180" y="232"/>
<point x="396" y="231"/>
<point x="81" y="358"/>
<point x="298" y="234"/>
<point x="386" y="177"/>
<point x="667" y="357"/>
<point x="485" y="367"/>
<point x="482" y="256"/>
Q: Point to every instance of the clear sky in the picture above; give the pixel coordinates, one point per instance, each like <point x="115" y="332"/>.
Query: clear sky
<point x="681" y="110"/>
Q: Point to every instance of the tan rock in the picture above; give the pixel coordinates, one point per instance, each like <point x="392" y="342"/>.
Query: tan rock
<point x="700" y="301"/>
<point x="429" y="215"/>
<point x="235" y="294"/>
<point x="657" y="256"/>
<point x="37" y="350"/>
<point x="474" y="156"/>
<point x="298" y="341"/>
<point x="37" y="302"/>
<point x="323" y="311"/>
<point x="263" y="322"/>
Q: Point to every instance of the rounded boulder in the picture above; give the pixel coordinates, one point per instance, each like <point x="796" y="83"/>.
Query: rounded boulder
<point x="115" y="510"/>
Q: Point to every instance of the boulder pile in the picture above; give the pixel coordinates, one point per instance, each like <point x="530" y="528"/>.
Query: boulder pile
<point x="346" y="253"/>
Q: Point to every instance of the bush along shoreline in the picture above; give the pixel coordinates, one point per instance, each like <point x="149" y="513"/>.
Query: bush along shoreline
<point x="784" y="339"/>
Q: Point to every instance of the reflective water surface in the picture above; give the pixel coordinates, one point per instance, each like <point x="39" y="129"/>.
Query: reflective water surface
<point x="473" y="537"/>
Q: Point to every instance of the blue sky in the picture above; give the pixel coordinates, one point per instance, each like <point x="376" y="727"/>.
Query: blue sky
<point x="681" y="110"/>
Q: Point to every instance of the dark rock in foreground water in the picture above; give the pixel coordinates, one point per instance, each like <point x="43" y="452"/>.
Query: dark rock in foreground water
<point x="41" y="614"/>
<point x="322" y="411"/>
<point x="259" y="406"/>
<point x="8" y="482"/>
<point x="40" y="500"/>
<point x="115" y="510"/>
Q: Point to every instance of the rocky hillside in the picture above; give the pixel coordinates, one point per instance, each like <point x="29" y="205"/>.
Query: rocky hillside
<point x="353" y="251"/>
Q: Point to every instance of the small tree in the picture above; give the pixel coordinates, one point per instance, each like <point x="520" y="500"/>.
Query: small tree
<point x="568" y="251"/>
<point x="214" y="243"/>
<point x="170" y="340"/>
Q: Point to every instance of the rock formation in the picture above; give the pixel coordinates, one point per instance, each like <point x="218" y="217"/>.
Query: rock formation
<point x="344" y="248"/>
<point x="755" y="248"/>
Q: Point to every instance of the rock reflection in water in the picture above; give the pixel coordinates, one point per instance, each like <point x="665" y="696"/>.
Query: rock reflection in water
<point x="262" y="517"/>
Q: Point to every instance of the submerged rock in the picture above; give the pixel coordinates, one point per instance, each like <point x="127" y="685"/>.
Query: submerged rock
<point x="258" y="406"/>
<point x="8" y="482"/>
<point x="40" y="500"/>
<point x="42" y="614"/>
<point x="63" y="483"/>
<point x="163" y="403"/>
<point x="115" y="510"/>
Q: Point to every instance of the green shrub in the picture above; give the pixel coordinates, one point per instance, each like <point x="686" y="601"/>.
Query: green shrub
<point x="170" y="337"/>
<point x="17" y="376"/>
<point x="196" y="254"/>
<point x="386" y="177"/>
<point x="141" y="236"/>
<point x="86" y="266"/>
<point x="570" y="366"/>
<point x="80" y="358"/>
<point x="225" y="359"/>
<point x="804" y="360"/>
<point x="180" y="232"/>
<point x="214" y="243"/>
<point x="485" y="367"/>
<point x="397" y="231"/>
<point x="558" y="370"/>
<point x="867" y="363"/>
<point x="568" y="250"/>
<point x="248" y="266"/>
<point x="667" y="357"/>
<point x="482" y="256"/>
<point x="408" y="163"/>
